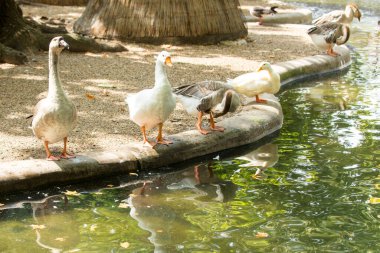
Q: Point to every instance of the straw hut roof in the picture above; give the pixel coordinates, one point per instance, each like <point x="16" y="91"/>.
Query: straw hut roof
<point x="59" y="2"/>
<point x="163" y="21"/>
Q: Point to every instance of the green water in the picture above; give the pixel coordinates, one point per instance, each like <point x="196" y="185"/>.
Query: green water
<point x="319" y="192"/>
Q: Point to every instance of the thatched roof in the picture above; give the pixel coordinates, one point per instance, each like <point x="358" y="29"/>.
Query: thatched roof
<point x="158" y="21"/>
<point x="55" y="2"/>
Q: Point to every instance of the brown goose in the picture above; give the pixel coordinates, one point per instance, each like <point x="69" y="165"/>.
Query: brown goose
<point x="260" y="11"/>
<point x="54" y="116"/>
<point x="326" y="35"/>
<point x="343" y="17"/>
<point x="201" y="98"/>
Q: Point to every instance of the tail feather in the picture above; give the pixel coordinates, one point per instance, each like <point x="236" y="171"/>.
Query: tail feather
<point x="273" y="9"/>
<point x="311" y="29"/>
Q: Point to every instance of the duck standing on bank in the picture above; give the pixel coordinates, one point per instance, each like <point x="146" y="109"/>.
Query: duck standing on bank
<point x="263" y="80"/>
<point x="54" y="116"/>
<point x="201" y="98"/>
<point x="151" y="107"/>
<point x="326" y="35"/>
<point x="260" y="11"/>
<point x="341" y="17"/>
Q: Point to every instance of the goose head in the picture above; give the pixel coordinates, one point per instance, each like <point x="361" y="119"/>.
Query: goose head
<point x="57" y="44"/>
<point x="264" y="66"/>
<point x="164" y="58"/>
<point x="355" y="10"/>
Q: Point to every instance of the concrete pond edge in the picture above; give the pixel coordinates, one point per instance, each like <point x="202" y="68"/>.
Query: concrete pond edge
<point x="255" y="122"/>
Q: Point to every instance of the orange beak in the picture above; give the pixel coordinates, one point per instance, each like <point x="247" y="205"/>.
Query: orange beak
<point x="168" y="61"/>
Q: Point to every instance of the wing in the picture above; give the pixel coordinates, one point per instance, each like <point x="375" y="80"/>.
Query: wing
<point x="257" y="11"/>
<point x="334" y="16"/>
<point x="331" y="31"/>
<point x="201" y="89"/>
<point x="209" y="93"/>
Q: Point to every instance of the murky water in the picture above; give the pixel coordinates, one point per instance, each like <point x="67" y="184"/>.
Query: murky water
<point x="318" y="190"/>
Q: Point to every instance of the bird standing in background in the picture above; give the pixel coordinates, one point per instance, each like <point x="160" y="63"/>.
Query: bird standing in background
<point x="341" y="17"/>
<point x="258" y="11"/>
<point x="326" y="35"/>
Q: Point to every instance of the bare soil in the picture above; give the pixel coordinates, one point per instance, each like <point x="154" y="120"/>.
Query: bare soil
<point x="98" y="83"/>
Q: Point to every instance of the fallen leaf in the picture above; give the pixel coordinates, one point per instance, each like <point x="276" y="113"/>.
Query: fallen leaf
<point x="93" y="227"/>
<point x="159" y="230"/>
<point x="35" y="227"/>
<point x="110" y="185"/>
<point x="124" y="245"/>
<point x="60" y="239"/>
<point x="89" y="96"/>
<point x="105" y="93"/>
<point x="133" y="174"/>
<point x="106" y="85"/>
<point x="374" y="200"/>
<point x="261" y="235"/>
<point x="98" y="193"/>
<point x="123" y="205"/>
<point x="72" y="193"/>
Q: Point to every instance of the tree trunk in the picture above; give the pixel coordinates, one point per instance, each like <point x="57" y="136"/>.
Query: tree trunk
<point x="19" y="37"/>
<point x="163" y="21"/>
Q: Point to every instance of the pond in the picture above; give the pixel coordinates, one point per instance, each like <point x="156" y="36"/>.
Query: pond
<point x="318" y="191"/>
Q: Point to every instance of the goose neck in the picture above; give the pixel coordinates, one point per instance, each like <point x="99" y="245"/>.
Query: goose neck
<point x="55" y="88"/>
<point x="160" y="73"/>
<point x="349" y="13"/>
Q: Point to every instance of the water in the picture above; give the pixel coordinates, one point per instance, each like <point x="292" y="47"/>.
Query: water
<point x="320" y="191"/>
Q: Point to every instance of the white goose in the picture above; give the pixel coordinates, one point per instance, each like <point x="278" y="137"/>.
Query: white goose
<point x="203" y="97"/>
<point x="151" y="107"/>
<point x="326" y="35"/>
<point x="338" y="16"/>
<point x="264" y="80"/>
<point x="54" y="116"/>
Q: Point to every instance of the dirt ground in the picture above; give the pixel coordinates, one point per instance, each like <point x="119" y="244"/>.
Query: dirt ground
<point x="98" y="83"/>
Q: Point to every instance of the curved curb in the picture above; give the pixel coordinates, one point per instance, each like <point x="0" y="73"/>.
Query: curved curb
<point x="251" y="125"/>
<point x="313" y="67"/>
<point x="284" y="16"/>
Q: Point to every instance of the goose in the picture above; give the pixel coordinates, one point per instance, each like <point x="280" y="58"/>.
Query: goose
<point x="326" y="35"/>
<point x="151" y="107"/>
<point x="260" y="11"/>
<point x="201" y="98"/>
<point x="263" y="80"/>
<point x="54" y="116"/>
<point x="338" y="16"/>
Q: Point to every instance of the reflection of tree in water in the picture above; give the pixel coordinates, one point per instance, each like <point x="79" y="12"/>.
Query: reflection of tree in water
<point x="170" y="206"/>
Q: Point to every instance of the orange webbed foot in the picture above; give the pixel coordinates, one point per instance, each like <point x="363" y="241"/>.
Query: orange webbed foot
<point x="204" y="132"/>
<point x="53" y="158"/>
<point x="217" y="128"/>
<point x="164" y="142"/>
<point x="67" y="156"/>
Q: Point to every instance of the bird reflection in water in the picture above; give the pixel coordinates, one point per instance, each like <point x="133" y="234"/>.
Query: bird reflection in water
<point x="48" y="216"/>
<point x="166" y="204"/>
<point x="263" y="157"/>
